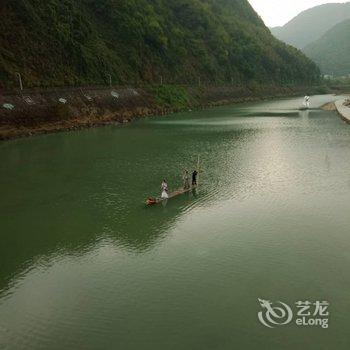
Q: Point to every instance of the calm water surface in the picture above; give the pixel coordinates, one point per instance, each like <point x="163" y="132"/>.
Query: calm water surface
<point x="84" y="265"/>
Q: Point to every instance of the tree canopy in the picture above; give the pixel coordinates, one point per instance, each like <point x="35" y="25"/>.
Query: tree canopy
<point x="77" y="42"/>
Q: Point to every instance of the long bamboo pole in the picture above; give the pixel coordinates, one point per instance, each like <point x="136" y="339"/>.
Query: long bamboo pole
<point x="198" y="162"/>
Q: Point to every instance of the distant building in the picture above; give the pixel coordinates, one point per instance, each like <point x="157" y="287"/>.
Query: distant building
<point x="328" y="76"/>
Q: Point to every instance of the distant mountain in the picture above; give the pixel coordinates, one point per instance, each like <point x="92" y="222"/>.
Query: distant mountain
<point x="332" y="51"/>
<point x="311" y="24"/>
<point x="78" y="42"/>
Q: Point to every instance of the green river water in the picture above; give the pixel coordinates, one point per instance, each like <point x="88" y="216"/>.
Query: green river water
<point x="85" y="265"/>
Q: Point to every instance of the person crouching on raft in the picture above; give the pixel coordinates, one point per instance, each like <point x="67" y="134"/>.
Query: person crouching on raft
<point x="186" y="180"/>
<point x="164" y="190"/>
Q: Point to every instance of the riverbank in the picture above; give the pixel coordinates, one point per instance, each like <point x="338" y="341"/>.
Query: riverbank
<point x="38" y="111"/>
<point x="343" y="108"/>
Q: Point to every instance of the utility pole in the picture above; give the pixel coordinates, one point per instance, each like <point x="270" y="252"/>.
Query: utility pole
<point x="20" y="80"/>
<point x="110" y="79"/>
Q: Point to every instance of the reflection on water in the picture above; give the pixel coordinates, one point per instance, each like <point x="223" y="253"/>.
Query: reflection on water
<point x="85" y="265"/>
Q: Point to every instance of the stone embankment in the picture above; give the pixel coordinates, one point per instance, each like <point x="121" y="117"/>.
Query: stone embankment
<point x="41" y="111"/>
<point x="343" y="108"/>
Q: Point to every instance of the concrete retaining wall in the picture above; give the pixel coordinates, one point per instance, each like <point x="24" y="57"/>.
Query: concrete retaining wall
<point x="343" y="110"/>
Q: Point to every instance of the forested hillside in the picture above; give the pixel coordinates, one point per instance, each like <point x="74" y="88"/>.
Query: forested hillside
<point x="332" y="51"/>
<point x="80" y="42"/>
<point x="312" y="24"/>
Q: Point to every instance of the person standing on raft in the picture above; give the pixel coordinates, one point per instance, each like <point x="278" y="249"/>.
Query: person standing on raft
<point x="164" y="190"/>
<point x="194" y="178"/>
<point x="186" y="180"/>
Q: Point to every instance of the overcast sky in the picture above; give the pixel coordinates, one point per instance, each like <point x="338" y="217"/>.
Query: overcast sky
<point x="279" y="12"/>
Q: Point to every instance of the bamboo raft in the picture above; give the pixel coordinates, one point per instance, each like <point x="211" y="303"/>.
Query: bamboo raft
<point x="153" y="201"/>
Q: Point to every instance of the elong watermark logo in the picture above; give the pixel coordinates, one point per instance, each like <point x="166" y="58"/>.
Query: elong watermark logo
<point x="307" y="314"/>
